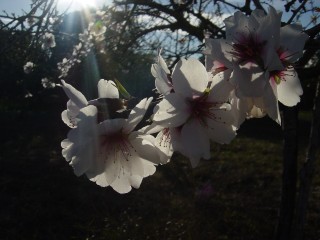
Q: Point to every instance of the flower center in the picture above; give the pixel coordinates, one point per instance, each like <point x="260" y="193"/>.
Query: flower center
<point x="165" y="139"/>
<point x="277" y="76"/>
<point x="249" y="49"/>
<point x="202" y="110"/>
<point x="117" y="143"/>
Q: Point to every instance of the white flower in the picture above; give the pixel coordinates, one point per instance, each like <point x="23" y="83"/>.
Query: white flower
<point x="97" y="28"/>
<point x="251" y="45"/>
<point x="28" y="95"/>
<point x="286" y="83"/>
<point x="31" y="20"/>
<point x="48" y="41"/>
<point x="106" y="89"/>
<point x="161" y="73"/>
<point x="46" y="83"/>
<point x="111" y="153"/>
<point x="163" y="141"/>
<point x="198" y="109"/>
<point x="28" y="67"/>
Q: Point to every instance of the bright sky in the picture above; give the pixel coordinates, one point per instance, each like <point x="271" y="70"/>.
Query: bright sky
<point x="16" y="6"/>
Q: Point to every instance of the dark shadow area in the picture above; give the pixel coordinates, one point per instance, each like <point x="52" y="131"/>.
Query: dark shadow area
<point x="234" y="196"/>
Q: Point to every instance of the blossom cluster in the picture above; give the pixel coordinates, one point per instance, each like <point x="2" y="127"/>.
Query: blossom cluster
<point x="257" y="58"/>
<point x="245" y="76"/>
<point x="90" y="37"/>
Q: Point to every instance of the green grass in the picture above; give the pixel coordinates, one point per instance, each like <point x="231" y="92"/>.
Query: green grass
<point x="41" y="198"/>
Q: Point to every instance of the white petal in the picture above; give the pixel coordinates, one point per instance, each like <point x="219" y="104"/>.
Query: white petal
<point x="257" y="112"/>
<point x="270" y="103"/>
<point x="111" y="126"/>
<point x="289" y="90"/>
<point x="162" y="63"/>
<point x="195" y="142"/>
<point x="136" y="114"/>
<point x="221" y="132"/>
<point x="172" y="111"/>
<point x="189" y="78"/>
<point x="249" y="80"/>
<point x="151" y="129"/>
<point x="135" y="181"/>
<point x="107" y="89"/>
<point x="112" y="166"/>
<point x="75" y="96"/>
<point x="238" y="109"/>
<point x="218" y="50"/>
<point x="220" y="90"/>
<point x="292" y="40"/>
<point x="223" y="114"/>
<point x="164" y="145"/>
<point x="65" y="143"/>
<point x="270" y="57"/>
<point x="160" y="71"/>
<point x="163" y="87"/>
<point x="99" y="179"/>
<point x="121" y="185"/>
<point x="144" y="146"/>
<point x="68" y="119"/>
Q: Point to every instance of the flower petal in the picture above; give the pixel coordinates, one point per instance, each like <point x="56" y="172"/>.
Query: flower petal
<point x="218" y="50"/>
<point x="172" y="111"/>
<point x="195" y="142"/>
<point x="289" y="90"/>
<point x="292" y="40"/>
<point x="107" y="89"/>
<point x="75" y="96"/>
<point x="221" y="132"/>
<point x="144" y="146"/>
<point x="249" y="80"/>
<point x="164" y="145"/>
<point x="220" y="90"/>
<point x="121" y="185"/>
<point x="189" y="78"/>
<point x="136" y="114"/>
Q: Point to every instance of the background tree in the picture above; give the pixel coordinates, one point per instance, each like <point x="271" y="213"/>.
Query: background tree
<point x="136" y="30"/>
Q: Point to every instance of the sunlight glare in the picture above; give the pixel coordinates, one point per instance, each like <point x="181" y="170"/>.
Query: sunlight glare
<point x="77" y="4"/>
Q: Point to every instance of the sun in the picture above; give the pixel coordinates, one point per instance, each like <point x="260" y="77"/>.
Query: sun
<point x="86" y="3"/>
<point x="77" y="4"/>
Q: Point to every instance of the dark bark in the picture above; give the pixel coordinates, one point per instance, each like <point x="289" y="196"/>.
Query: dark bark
<point x="307" y="171"/>
<point x="289" y="177"/>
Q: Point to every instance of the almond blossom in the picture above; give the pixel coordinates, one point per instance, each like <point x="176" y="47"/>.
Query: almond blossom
<point x="109" y="151"/>
<point x="161" y="73"/>
<point x="250" y="45"/>
<point x="48" y="41"/>
<point x="28" y="67"/>
<point x="286" y="83"/>
<point x="106" y="89"/>
<point x="257" y="59"/>
<point x="197" y="110"/>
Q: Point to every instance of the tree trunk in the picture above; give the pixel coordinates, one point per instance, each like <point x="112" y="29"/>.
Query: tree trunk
<point x="307" y="171"/>
<point x="289" y="177"/>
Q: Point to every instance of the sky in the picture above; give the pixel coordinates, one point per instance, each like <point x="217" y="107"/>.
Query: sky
<point x="16" y="6"/>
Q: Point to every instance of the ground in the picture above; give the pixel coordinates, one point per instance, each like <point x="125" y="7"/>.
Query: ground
<point x="235" y="195"/>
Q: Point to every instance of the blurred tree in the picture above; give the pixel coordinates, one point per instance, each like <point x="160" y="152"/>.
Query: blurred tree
<point x="135" y="30"/>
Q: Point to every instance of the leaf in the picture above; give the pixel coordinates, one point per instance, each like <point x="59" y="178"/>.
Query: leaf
<point x="122" y="90"/>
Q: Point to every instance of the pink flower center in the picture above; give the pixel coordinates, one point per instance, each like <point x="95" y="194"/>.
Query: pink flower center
<point x="218" y="67"/>
<point x="202" y="110"/>
<point x="249" y="49"/>
<point x="116" y="143"/>
<point x="165" y="139"/>
<point x="280" y="75"/>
